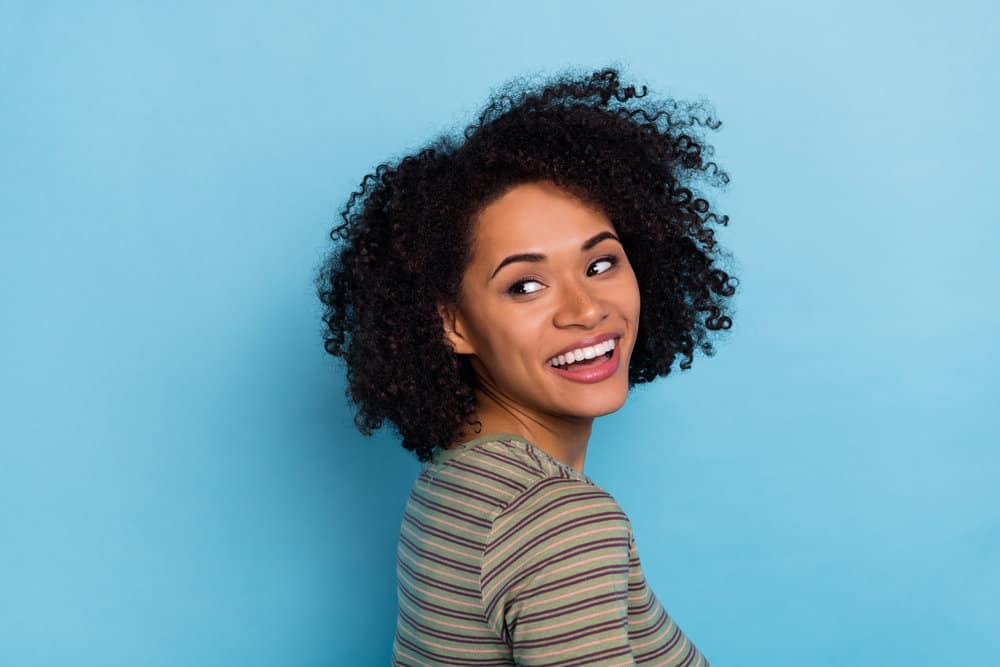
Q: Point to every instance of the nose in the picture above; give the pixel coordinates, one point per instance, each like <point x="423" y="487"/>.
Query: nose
<point x="578" y="306"/>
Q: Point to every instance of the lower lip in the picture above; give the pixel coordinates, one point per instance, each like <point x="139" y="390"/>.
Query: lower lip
<point x="594" y="373"/>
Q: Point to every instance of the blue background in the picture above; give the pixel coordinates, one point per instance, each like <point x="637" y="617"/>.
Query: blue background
<point x="180" y="479"/>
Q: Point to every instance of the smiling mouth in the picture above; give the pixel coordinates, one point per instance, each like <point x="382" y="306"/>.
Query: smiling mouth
<point x="588" y="371"/>
<point x="599" y="359"/>
<point x="574" y="359"/>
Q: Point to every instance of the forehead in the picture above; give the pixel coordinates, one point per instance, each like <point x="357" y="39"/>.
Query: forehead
<point x="535" y="217"/>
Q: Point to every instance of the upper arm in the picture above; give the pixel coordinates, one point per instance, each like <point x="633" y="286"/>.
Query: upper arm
<point x="554" y="576"/>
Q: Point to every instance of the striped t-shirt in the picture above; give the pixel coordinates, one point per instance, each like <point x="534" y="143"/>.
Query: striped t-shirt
<point x="508" y="556"/>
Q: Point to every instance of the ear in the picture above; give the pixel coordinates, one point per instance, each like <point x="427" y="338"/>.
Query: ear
<point x="454" y="330"/>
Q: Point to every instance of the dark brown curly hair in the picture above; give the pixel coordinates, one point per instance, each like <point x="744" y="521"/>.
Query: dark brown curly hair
<point x="405" y="241"/>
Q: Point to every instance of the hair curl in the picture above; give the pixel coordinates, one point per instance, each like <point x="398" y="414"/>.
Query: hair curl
<point x="405" y="241"/>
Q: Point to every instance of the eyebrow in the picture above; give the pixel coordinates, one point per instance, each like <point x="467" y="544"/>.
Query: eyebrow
<point x="537" y="257"/>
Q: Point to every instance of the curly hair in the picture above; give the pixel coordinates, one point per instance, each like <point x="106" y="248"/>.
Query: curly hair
<point x="405" y="241"/>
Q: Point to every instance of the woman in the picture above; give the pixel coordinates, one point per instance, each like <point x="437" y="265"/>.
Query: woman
<point x="495" y="282"/>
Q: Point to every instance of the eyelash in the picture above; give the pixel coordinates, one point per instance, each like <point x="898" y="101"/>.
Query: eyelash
<point x="613" y="259"/>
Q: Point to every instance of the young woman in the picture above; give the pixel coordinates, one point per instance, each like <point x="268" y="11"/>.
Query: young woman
<point x="485" y="295"/>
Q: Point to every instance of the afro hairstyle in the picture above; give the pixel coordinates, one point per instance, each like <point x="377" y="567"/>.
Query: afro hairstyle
<point x="404" y="242"/>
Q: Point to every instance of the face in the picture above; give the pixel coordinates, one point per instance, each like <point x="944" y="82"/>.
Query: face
<point x="547" y="275"/>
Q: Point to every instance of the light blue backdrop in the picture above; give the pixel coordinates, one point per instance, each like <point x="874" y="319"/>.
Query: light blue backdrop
<point x="180" y="480"/>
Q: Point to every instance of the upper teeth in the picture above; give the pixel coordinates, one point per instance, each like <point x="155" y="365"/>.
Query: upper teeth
<point x="582" y="353"/>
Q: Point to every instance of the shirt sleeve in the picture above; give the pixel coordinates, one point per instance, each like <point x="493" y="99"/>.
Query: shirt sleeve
<point x="554" y="576"/>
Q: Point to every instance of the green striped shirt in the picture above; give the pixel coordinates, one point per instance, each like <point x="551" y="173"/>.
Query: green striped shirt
<point x="508" y="556"/>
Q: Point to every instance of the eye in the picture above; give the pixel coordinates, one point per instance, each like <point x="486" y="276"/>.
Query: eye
<point x="610" y="260"/>
<point x="517" y="288"/>
<point x="514" y="289"/>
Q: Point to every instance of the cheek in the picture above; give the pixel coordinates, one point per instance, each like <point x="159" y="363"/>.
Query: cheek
<point x="630" y="297"/>
<point x="636" y="293"/>
<point x="505" y="341"/>
<point x="516" y="353"/>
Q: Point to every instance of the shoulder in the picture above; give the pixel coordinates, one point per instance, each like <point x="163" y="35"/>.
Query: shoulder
<point x="563" y="543"/>
<point x="552" y="508"/>
<point x="502" y="470"/>
<point x="521" y="491"/>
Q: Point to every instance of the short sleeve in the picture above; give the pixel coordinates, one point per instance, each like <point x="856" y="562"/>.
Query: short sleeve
<point x="554" y="576"/>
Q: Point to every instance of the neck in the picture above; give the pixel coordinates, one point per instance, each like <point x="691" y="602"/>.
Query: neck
<point x="561" y="437"/>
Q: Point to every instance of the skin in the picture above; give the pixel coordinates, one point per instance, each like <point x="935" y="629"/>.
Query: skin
<point x="570" y="294"/>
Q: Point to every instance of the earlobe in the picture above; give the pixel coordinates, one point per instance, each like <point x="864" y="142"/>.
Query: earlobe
<point x="453" y="331"/>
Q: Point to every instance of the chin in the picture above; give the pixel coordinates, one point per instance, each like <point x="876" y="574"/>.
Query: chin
<point x="601" y="403"/>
